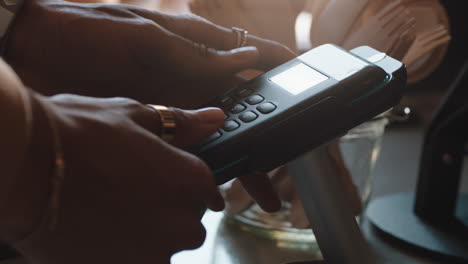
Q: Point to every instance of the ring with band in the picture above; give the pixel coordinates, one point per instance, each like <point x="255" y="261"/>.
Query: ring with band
<point x="168" y="123"/>
<point x="241" y="36"/>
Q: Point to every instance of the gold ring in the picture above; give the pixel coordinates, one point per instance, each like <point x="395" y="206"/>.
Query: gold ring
<point x="168" y="124"/>
<point x="241" y="36"/>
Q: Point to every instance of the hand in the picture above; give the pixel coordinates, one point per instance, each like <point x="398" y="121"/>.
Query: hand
<point x="237" y="200"/>
<point x="271" y="19"/>
<point x="127" y="196"/>
<point x="119" y="50"/>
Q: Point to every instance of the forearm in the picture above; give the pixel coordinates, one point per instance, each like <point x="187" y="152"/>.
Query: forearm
<point x="14" y="135"/>
<point x="26" y="156"/>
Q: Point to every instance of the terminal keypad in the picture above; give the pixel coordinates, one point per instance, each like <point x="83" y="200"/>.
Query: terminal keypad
<point x="242" y="107"/>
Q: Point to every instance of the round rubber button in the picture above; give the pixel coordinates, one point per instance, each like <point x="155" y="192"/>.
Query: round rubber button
<point x="254" y="99"/>
<point x="266" y="108"/>
<point x="248" y="116"/>
<point x="230" y="125"/>
<point x="237" y="108"/>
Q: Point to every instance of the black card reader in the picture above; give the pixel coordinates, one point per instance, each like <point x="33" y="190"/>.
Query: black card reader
<point x="298" y="106"/>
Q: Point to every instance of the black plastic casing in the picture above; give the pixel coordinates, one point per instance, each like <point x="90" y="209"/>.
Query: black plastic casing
<point x="303" y="121"/>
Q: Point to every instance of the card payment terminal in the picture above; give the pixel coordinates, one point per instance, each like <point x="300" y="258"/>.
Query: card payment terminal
<point x="298" y="106"/>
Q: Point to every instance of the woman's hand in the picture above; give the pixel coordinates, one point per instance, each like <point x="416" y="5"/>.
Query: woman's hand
<point x="127" y="196"/>
<point x="119" y="50"/>
<point x="271" y="19"/>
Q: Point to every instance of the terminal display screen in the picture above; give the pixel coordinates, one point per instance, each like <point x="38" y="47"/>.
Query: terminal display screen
<point x="298" y="78"/>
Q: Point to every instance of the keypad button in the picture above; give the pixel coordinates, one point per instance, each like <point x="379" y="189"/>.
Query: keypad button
<point x="230" y="125"/>
<point x="211" y="138"/>
<point x="244" y="92"/>
<point x="266" y="108"/>
<point x="248" y="116"/>
<point x="254" y="99"/>
<point x="237" y="108"/>
<point x="226" y="101"/>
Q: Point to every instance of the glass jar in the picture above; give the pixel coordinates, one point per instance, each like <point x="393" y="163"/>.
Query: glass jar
<point x="360" y="148"/>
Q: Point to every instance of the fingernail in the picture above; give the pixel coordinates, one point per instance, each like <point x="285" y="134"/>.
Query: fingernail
<point x="210" y="115"/>
<point x="245" y="49"/>
<point x="242" y="53"/>
<point x="245" y="52"/>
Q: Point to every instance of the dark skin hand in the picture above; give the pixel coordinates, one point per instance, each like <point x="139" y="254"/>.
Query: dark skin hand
<point x="121" y="50"/>
<point x="127" y="196"/>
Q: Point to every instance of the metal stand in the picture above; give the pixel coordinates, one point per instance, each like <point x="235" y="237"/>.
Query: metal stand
<point x="325" y="204"/>
<point x="430" y="219"/>
<point x="395" y="216"/>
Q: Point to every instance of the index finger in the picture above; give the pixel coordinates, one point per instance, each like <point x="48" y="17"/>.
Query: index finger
<point x="200" y="30"/>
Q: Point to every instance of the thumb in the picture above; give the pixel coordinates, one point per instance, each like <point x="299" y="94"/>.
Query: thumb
<point x="194" y="125"/>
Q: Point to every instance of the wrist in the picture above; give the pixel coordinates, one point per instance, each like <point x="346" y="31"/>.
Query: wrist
<point x="28" y="200"/>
